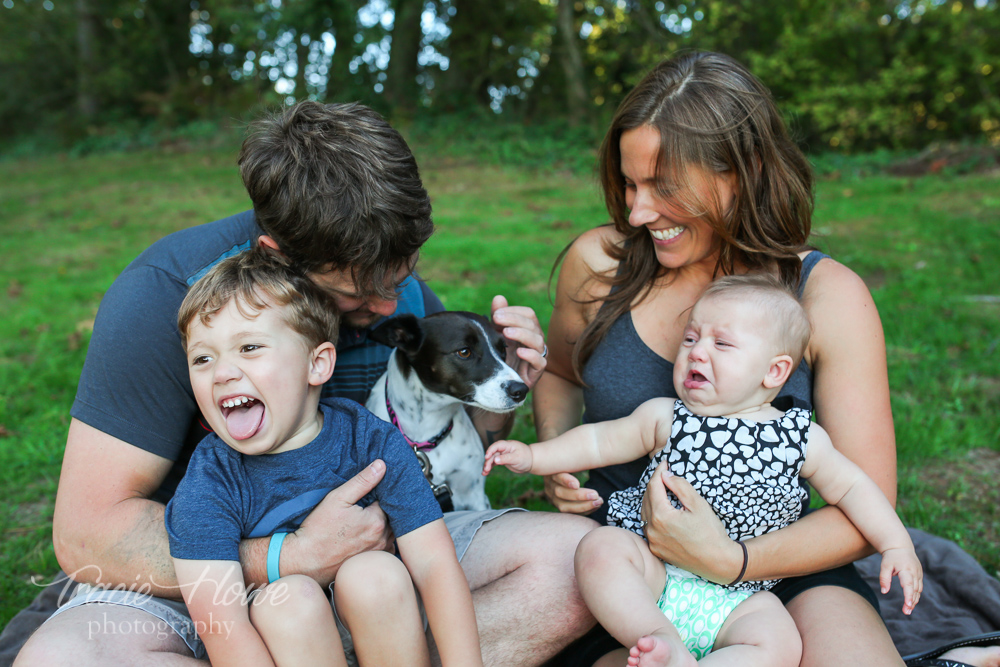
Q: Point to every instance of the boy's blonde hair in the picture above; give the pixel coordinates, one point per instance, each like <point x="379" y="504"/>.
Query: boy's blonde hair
<point x="778" y="305"/>
<point x="254" y="278"/>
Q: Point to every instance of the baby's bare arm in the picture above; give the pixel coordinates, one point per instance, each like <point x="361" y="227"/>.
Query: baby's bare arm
<point x="842" y="483"/>
<point x="591" y="445"/>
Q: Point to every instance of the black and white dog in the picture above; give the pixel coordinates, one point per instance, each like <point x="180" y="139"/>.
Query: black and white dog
<point x="443" y="363"/>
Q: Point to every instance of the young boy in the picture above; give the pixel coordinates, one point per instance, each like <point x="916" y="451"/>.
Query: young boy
<point x="257" y="336"/>
<point x="744" y="337"/>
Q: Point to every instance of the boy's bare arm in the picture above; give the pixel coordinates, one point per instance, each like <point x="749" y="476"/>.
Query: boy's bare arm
<point x="429" y="554"/>
<point x="842" y="483"/>
<point x="214" y="593"/>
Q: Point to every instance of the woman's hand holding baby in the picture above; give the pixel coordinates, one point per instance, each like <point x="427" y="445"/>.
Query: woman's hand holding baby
<point x="514" y="455"/>
<point x="903" y="562"/>
<point x="692" y="538"/>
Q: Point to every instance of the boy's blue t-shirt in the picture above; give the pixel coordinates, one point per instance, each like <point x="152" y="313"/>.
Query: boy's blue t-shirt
<point x="227" y="496"/>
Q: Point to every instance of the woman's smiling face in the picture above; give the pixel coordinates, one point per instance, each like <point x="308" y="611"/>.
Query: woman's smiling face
<point x="680" y="238"/>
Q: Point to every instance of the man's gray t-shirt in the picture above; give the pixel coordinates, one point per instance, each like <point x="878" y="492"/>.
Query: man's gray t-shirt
<point x="134" y="385"/>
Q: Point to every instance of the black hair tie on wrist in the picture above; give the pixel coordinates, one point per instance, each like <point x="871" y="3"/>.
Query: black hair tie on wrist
<point x="743" y="570"/>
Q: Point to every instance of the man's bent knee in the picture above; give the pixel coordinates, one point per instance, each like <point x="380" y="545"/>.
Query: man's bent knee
<point x="100" y="634"/>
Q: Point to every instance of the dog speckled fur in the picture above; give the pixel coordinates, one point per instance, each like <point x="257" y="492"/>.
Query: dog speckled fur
<point x="442" y="366"/>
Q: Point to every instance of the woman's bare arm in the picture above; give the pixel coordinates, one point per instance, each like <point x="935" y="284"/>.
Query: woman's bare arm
<point x="558" y="398"/>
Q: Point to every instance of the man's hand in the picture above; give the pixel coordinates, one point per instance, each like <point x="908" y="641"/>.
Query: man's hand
<point x="338" y="528"/>
<point x="525" y="341"/>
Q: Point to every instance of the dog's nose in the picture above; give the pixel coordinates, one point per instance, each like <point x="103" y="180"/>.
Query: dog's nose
<point x="516" y="390"/>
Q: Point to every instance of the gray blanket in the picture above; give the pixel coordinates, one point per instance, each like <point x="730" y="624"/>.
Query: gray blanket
<point x="960" y="598"/>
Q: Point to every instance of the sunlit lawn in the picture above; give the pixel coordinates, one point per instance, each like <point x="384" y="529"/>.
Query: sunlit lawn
<point x="927" y="248"/>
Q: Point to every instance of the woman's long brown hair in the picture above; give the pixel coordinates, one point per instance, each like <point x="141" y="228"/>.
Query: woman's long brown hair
<point x="711" y="113"/>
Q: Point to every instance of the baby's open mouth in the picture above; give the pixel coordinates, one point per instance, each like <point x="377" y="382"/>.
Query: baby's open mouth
<point x="244" y="416"/>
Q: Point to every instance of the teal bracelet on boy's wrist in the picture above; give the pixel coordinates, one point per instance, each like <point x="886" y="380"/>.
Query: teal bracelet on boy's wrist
<point x="273" y="556"/>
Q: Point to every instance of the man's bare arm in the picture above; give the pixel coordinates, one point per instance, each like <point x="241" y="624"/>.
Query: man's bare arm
<point x="106" y="530"/>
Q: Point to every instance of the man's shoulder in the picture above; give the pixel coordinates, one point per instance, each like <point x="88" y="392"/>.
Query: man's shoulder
<point x="188" y="254"/>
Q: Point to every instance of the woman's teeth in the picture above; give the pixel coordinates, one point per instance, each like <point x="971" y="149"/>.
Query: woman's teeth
<point x="233" y="402"/>
<point x="666" y="234"/>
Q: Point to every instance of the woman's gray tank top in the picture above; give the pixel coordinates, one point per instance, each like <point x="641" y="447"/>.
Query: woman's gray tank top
<point x="623" y="373"/>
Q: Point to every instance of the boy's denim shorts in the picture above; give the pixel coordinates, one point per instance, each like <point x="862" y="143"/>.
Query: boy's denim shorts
<point x="172" y="615"/>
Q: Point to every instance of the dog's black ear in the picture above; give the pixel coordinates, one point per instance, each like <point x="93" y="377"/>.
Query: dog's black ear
<point x="402" y="331"/>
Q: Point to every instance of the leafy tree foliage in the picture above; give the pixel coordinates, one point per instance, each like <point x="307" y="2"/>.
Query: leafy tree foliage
<point x="851" y="75"/>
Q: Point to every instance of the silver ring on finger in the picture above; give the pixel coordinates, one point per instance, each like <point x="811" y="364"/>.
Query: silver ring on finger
<point x="545" y="350"/>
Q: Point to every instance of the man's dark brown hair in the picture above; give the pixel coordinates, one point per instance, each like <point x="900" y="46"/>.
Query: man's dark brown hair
<point x="338" y="189"/>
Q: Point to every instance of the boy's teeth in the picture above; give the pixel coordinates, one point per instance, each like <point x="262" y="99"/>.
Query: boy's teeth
<point x="666" y="234"/>
<point x="233" y="402"/>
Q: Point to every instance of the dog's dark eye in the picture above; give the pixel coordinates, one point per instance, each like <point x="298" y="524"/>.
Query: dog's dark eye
<point x="464" y="353"/>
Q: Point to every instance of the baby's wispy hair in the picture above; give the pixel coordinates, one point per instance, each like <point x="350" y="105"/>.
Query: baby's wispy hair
<point x="779" y="306"/>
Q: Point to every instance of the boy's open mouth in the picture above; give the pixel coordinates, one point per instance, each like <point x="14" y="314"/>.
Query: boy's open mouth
<point x="243" y="415"/>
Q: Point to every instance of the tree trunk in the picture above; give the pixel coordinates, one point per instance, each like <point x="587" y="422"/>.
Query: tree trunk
<point x="301" y="62"/>
<point x="163" y="46"/>
<point x="572" y="63"/>
<point x="86" y="31"/>
<point x="401" y="77"/>
<point x="468" y="50"/>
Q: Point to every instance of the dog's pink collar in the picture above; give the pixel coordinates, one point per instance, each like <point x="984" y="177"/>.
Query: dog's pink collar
<point x="422" y="446"/>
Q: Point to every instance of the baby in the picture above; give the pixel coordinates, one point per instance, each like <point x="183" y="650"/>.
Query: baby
<point x="257" y="338"/>
<point x="744" y="337"/>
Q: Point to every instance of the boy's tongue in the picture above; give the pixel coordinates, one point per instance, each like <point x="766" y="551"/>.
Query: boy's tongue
<point x="244" y="421"/>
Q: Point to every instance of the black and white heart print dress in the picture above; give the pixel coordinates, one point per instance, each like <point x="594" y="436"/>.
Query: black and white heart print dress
<point x="748" y="471"/>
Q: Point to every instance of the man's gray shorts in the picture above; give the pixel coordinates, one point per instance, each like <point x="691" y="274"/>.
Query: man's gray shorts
<point x="172" y="615"/>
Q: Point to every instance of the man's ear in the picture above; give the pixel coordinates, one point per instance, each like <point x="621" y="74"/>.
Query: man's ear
<point x="324" y="358"/>
<point x="403" y="332"/>
<point x="266" y="241"/>
<point x="778" y="372"/>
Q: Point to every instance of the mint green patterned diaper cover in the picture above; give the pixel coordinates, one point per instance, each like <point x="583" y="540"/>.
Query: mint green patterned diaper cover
<point x="697" y="608"/>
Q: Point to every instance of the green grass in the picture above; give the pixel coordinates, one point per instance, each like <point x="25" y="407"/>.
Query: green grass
<point x="926" y="247"/>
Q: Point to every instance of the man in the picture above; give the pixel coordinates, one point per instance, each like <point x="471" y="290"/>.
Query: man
<point x="336" y="190"/>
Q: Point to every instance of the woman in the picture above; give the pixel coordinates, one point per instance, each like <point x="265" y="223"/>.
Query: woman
<point x="701" y="179"/>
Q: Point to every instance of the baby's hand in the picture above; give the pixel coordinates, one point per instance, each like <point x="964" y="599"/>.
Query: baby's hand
<point x="903" y="562"/>
<point x="511" y="453"/>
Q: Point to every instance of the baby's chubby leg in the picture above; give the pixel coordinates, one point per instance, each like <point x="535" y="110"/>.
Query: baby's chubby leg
<point x="621" y="580"/>
<point x="375" y="599"/>
<point x="294" y="618"/>
<point x="759" y="632"/>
